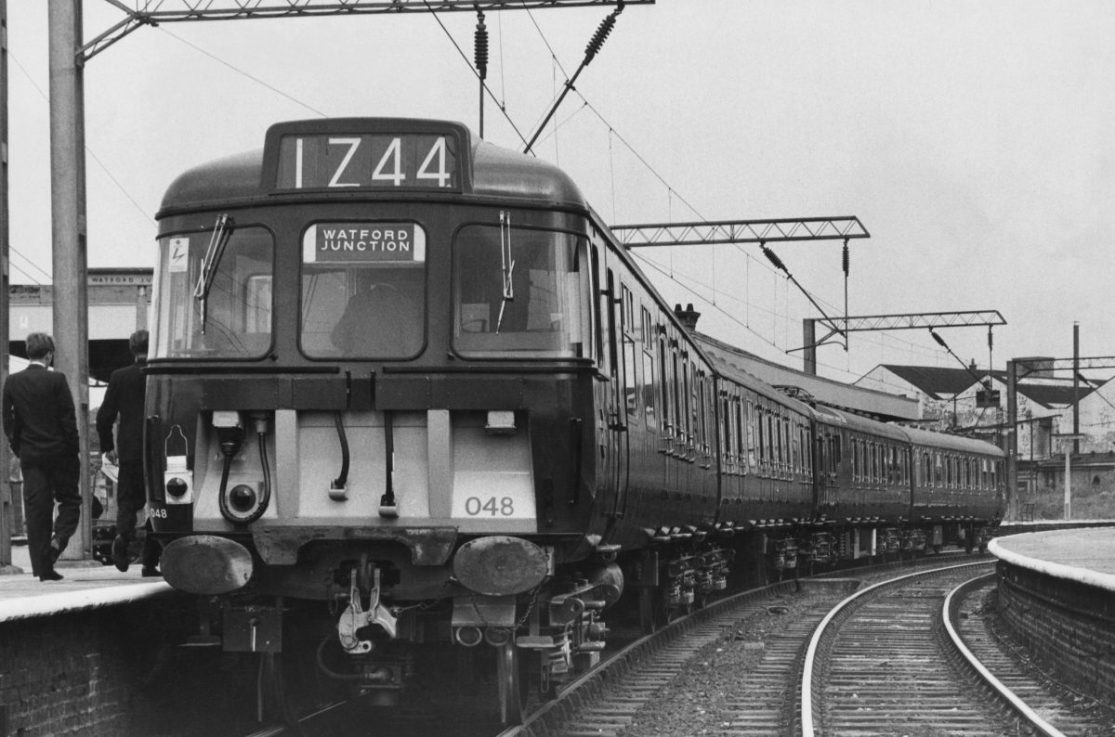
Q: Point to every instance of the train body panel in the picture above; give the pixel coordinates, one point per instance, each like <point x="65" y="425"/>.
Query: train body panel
<point x="414" y="376"/>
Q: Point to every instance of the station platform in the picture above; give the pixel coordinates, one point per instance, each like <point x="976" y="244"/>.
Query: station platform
<point x="1056" y="596"/>
<point x="85" y="585"/>
<point x="1084" y="555"/>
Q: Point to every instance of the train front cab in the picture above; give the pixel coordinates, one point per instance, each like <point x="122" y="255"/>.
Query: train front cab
<point x="450" y="456"/>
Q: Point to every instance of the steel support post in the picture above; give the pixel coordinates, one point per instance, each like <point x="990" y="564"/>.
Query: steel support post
<point x="1068" y="479"/>
<point x="1012" y="440"/>
<point x="809" y="340"/>
<point x="7" y="502"/>
<point x="67" y="197"/>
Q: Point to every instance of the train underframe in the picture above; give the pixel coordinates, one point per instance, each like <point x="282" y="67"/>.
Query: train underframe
<point x="361" y="642"/>
<point x="794" y="548"/>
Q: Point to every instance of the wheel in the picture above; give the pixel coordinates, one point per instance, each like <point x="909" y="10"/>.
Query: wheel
<point x="491" y="683"/>
<point x="274" y="703"/>
<point x="653" y="612"/>
<point x="511" y="686"/>
<point x="648" y="622"/>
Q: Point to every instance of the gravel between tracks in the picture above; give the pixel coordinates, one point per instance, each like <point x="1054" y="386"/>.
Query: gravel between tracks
<point x="699" y="700"/>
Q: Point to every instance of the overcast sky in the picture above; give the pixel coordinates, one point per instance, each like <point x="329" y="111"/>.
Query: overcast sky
<point x="974" y="140"/>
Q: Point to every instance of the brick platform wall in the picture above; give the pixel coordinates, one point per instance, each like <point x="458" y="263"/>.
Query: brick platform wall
<point x="1066" y="626"/>
<point x="120" y="672"/>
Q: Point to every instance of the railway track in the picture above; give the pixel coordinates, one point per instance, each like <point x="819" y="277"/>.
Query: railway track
<point x="881" y="663"/>
<point x="897" y="659"/>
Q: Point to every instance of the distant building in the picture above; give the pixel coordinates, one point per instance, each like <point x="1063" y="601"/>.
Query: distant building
<point x="118" y="304"/>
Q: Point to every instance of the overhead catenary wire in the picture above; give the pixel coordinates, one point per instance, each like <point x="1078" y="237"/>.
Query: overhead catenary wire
<point x="502" y="106"/>
<point x="593" y="48"/>
<point x="93" y="154"/>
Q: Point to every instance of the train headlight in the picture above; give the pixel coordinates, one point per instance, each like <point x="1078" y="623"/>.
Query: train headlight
<point x="242" y="504"/>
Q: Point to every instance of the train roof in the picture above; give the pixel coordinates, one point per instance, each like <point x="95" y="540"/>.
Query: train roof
<point x="858" y="423"/>
<point x="753" y="383"/>
<point x="492" y="171"/>
<point x="948" y="441"/>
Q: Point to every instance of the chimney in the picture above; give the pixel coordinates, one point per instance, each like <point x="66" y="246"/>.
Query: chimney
<point x="688" y="316"/>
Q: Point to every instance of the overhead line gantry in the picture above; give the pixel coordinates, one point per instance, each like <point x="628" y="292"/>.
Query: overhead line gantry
<point x="153" y="12"/>
<point x="903" y="321"/>
<point x="710" y="232"/>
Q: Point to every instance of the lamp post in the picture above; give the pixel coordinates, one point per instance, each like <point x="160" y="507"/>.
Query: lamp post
<point x="1068" y="441"/>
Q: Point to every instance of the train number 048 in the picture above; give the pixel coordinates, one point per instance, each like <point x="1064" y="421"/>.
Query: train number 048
<point x="492" y="507"/>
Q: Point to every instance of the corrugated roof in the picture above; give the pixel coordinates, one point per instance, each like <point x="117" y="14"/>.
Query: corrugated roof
<point x="938" y="383"/>
<point x="1052" y="395"/>
<point x="945" y="383"/>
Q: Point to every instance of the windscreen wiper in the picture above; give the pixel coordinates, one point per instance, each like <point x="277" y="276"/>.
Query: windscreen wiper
<point x="217" y="242"/>
<point x="507" y="265"/>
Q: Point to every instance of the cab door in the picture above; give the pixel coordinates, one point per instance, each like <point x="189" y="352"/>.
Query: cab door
<point x="612" y="418"/>
<point x="619" y="435"/>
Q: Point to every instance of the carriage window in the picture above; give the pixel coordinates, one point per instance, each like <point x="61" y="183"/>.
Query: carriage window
<point x="630" y="360"/>
<point x="363" y="290"/>
<point x="521" y="292"/>
<point x="227" y="315"/>
<point x="650" y="382"/>
<point x="752" y="443"/>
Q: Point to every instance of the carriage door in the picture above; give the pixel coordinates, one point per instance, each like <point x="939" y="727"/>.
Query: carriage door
<point x="616" y="402"/>
<point x="824" y="465"/>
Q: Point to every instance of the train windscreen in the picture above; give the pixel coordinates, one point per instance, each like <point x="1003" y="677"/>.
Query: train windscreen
<point x="363" y="290"/>
<point x="212" y="294"/>
<point x="521" y="292"/>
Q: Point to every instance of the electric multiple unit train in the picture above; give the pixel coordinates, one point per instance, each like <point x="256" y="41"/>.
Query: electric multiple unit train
<point x="410" y="378"/>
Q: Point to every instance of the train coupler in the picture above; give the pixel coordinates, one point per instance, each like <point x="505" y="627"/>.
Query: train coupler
<point x="356" y="626"/>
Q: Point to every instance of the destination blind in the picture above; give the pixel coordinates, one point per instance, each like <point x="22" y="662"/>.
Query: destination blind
<point x="382" y="161"/>
<point x="355" y="242"/>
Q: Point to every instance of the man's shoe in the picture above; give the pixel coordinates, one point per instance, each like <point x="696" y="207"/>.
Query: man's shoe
<point x="120" y="553"/>
<point x="51" y="575"/>
<point x="149" y="571"/>
<point x="55" y="551"/>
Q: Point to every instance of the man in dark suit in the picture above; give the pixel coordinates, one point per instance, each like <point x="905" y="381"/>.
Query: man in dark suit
<point x="124" y="398"/>
<point x="41" y="426"/>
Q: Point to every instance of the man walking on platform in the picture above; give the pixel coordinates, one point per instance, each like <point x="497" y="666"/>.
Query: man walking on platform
<point x="125" y="397"/>
<point x="41" y="425"/>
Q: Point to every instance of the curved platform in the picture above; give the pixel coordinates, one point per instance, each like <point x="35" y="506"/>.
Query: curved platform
<point x="1056" y="593"/>
<point x="1087" y="556"/>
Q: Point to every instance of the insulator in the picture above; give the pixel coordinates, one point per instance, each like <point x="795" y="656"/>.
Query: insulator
<point x="481" y="42"/>
<point x="773" y="258"/>
<point x="847" y="258"/>
<point x="600" y="36"/>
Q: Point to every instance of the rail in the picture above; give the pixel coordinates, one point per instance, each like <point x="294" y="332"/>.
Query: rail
<point x="948" y="614"/>
<point x="808" y="707"/>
